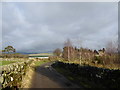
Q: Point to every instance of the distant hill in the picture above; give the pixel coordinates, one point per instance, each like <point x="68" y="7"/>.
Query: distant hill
<point x="41" y="54"/>
<point x="34" y="52"/>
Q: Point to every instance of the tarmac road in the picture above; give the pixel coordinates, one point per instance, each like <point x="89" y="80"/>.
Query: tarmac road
<point x="47" y="77"/>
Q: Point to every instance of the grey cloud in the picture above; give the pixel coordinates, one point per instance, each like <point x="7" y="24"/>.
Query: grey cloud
<point x="42" y="27"/>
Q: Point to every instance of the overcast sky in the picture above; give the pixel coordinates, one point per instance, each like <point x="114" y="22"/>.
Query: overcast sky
<point x="42" y="27"/>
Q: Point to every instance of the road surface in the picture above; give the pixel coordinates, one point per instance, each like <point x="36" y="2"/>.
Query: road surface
<point x="46" y="77"/>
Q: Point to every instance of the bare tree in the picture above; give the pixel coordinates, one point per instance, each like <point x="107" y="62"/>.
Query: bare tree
<point x="57" y="52"/>
<point x="80" y="47"/>
<point x="112" y="51"/>
<point x="68" y="43"/>
<point x="68" y="49"/>
<point x="112" y="47"/>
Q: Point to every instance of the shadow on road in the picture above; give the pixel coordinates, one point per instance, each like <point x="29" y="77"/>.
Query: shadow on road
<point x="46" y="77"/>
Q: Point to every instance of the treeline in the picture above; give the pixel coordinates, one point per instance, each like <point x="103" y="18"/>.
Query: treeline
<point x="105" y="56"/>
<point x="13" y="55"/>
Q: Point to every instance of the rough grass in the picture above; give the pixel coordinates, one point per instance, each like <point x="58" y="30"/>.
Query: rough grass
<point x="27" y="79"/>
<point x="107" y="66"/>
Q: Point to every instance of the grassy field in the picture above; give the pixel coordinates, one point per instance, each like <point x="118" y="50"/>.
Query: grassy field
<point x="6" y="62"/>
<point x="38" y="63"/>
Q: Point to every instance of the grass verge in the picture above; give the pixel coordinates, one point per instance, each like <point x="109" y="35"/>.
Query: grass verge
<point x="38" y="63"/>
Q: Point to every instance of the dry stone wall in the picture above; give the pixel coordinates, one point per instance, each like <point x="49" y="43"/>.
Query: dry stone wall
<point x="102" y="77"/>
<point x="12" y="74"/>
